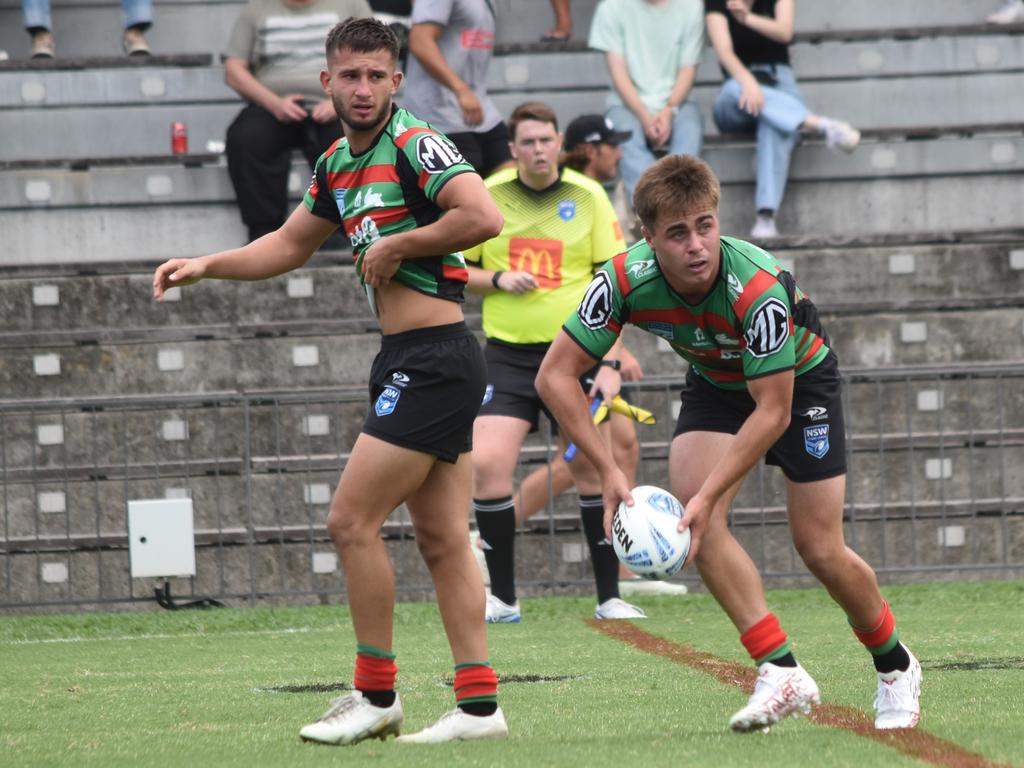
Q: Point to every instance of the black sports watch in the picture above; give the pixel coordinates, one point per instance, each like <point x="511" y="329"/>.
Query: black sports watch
<point x="613" y="364"/>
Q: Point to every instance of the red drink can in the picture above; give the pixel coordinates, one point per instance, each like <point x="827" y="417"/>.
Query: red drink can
<point x="179" y="139"/>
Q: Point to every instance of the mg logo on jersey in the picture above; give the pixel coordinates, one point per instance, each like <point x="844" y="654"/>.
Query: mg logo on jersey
<point x="387" y="401"/>
<point x="769" y="328"/>
<point x="816" y="440"/>
<point x="816" y="413"/>
<point x="567" y="210"/>
<point x="596" y="308"/>
<point x="541" y="258"/>
<point x="436" y="153"/>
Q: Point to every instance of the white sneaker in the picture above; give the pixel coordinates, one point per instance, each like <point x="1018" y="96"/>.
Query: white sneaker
<point x="458" y="726"/>
<point x="353" y="718"/>
<point x="1011" y="12"/>
<point x="614" y="608"/>
<point x="500" y="612"/>
<point x="840" y="135"/>
<point x="764" y="228"/>
<point x="650" y="587"/>
<point x="898" y="700"/>
<point x="478" y="555"/>
<point x="779" y="693"/>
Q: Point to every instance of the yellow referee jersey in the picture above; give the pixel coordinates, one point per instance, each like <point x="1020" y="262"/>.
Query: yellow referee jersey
<point x="560" y="235"/>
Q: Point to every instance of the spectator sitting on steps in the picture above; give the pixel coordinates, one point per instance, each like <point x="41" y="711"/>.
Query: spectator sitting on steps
<point x="137" y="16"/>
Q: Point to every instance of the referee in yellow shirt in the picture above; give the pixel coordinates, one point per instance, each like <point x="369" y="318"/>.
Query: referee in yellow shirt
<point x="559" y="228"/>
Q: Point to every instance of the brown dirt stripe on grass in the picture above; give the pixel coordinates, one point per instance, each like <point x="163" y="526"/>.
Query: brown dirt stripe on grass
<point x="916" y="743"/>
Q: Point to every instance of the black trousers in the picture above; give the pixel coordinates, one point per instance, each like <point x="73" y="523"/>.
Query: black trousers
<point x="259" y="151"/>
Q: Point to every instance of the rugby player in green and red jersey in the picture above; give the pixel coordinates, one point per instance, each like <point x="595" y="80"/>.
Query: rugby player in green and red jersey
<point x="762" y="381"/>
<point x="410" y="204"/>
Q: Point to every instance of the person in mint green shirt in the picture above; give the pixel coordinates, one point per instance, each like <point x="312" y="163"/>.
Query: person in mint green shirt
<point x="762" y="382"/>
<point x="652" y="48"/>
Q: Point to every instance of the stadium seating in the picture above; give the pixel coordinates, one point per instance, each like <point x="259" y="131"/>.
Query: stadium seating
<point x="912" y="247"/>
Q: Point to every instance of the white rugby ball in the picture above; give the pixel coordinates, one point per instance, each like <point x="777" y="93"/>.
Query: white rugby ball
<point x="645" y="536"/>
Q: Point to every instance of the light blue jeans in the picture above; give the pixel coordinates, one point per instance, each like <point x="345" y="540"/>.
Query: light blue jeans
<point x="687" y="139"/>
<point x="133" y="13"/>
<point x="777" y="129"/>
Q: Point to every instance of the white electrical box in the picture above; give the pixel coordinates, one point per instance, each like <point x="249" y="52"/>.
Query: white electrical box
<point x="161" y="538"/>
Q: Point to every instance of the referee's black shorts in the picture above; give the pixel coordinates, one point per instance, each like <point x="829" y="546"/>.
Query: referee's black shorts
<point x="425" y="390"/>
<point x="813" y="447"/>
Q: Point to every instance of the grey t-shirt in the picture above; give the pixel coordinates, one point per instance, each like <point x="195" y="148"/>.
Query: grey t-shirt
<point x="466" y="42"/>
<point x="284" y="44"/>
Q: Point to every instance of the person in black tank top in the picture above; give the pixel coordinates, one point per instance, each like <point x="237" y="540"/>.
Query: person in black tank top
<point x="760" y="94"/>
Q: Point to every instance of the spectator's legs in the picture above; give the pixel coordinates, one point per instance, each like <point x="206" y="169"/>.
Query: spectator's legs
<point x="137" y="14"/>
<point x="774" y="148"/>
<point x="257" y="149"/>
<point x="727" y="113"/>
<point x="636" y="157"/>
<point x="36" y="14"/>
<point x="687" y="130"/>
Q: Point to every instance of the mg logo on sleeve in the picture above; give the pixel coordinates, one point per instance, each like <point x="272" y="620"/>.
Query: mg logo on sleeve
<point x="596" y="308"/>
<point x="769" y="328"/>
<point x="436" y="154"/>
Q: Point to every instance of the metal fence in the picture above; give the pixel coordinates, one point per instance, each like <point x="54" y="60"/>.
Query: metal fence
<point x="935" y="489"/>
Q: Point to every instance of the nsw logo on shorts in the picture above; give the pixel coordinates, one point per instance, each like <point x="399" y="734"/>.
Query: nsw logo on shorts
<point x="387" y="401"/>
<point x="816" y="440"/>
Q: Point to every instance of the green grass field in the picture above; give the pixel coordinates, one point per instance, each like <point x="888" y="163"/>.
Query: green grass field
<point x="232" y="687"/>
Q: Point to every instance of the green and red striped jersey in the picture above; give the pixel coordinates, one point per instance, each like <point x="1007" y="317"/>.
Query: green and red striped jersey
<point x="392" y="187"/>
<point x="755" y="321"/>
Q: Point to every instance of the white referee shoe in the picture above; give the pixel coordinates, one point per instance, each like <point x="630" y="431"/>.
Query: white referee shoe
<point x="615" y="608"/>
<point x="458" y="726"/>
<point x="352" y="719"/>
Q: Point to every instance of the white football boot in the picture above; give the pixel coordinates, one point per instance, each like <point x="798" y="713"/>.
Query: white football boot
<point x="898" y="700"/>
<point x="458" y="726"/>
<point x="614" y="608"/>
<point x="500" y="612"/>
<point x="780" y="692"/>
<point x="352" y="719"/>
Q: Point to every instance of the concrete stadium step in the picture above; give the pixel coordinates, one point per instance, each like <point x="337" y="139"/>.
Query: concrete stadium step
<point x="62" y="305"/>
<point x="868" y="102"/>
<point x="863" y="203"/>
<point x="342" y="360"/>
<point x="542" y="68"/>
<point x="203" y="178"/>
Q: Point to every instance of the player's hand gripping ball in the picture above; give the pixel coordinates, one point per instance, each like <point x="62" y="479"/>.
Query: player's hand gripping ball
<point x="645" y="535"/>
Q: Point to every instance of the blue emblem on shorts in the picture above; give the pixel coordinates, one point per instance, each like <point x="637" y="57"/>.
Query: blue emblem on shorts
<point x="659" y="328"/>
<point x="567" y="209"/>
<point x="387" y="401"/>
<point x="488" y="394"/>
<point x="816" y="440"/>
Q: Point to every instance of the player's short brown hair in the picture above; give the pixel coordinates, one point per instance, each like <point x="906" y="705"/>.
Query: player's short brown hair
<point x="531" y="110"/>
<point x="362" y="35"/>
<point x="681" y="184"/>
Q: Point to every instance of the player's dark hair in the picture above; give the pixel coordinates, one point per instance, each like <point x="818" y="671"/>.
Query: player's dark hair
<point x="362" y="35"/>
<point x="677" y="184"/>
<point x="531" y="110"/>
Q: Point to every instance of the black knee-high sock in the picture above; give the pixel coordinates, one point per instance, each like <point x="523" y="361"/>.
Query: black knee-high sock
<point x="496" y="519"/>
<point x="602" y="554"/>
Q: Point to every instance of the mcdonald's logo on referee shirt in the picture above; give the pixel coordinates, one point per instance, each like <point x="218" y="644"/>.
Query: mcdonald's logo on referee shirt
<point x="541" y="258"/>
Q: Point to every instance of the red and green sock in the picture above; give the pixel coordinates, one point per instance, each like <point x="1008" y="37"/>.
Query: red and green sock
<point x="375" y="675"/>
<point x="476" y="688"/>
<point x="767" y="642"/>
<point x="883" y="641"/>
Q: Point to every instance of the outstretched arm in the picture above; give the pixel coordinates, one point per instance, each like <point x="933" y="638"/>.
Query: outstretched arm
<point x="273" y="254"/>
